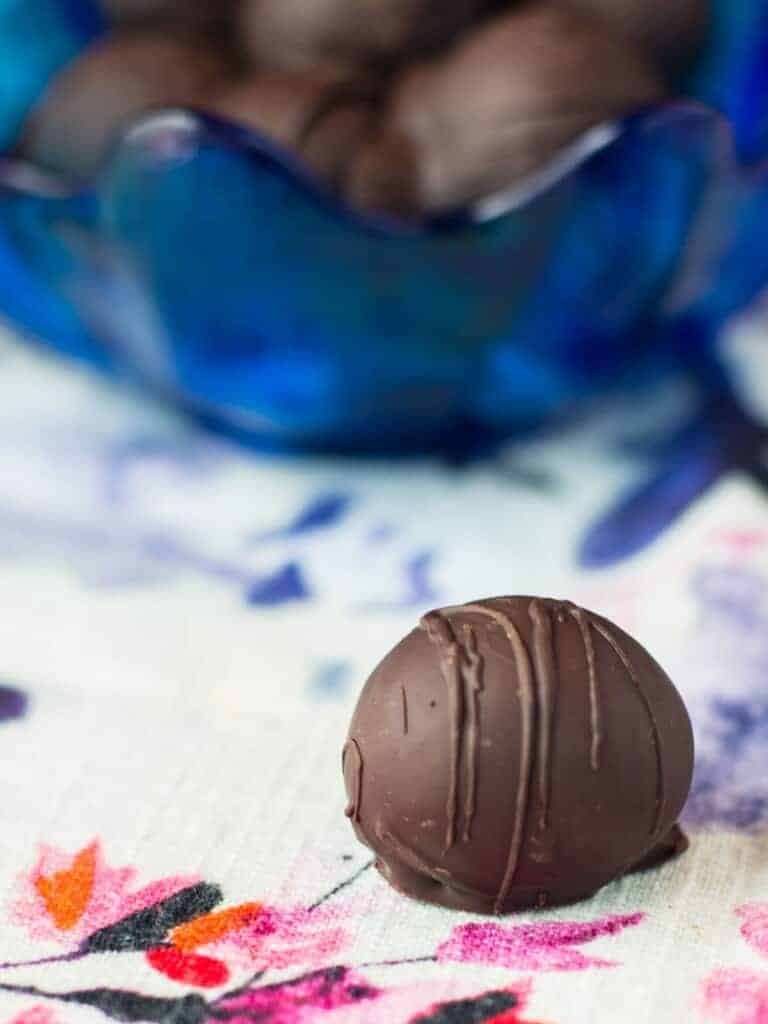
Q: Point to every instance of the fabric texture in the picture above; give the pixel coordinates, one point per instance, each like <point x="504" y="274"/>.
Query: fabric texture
<point x="185" y="629"/>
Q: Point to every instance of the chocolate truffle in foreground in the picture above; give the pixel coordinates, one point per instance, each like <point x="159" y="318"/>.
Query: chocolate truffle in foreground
<point x="516" y="752"/>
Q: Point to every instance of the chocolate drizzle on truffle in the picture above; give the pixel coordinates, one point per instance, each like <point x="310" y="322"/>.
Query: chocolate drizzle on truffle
<point x="462" y="672"/>
<point x="623" y="658"/>
<point x="546" y="677"/>
<point x="441" y="634"/>
<point x="527" y="710"/>
<point x="530" y="755"/>
<point x="585" y="627"/>
<point x="352" y="761"/>
<point x="462" y="667"/>
<point x="472" y="673"/>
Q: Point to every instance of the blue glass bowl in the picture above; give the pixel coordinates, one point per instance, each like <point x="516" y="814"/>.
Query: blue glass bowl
<point x="204" y="262"/>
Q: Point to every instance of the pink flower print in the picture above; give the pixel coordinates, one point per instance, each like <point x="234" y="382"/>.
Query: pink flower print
<point x="755" y="925"/>
<point x="300" y="1001"/>
<point x="735" y="995"/>
<point x="740" y="540"/>
<point x="501" y="1006"/>
<point x="66" y="897"/>
<point x="533" y="947"/>
<point x="344" y="996"/>
<point x="204" y="950"/>
<point x="37" y="1014"/>
<point x="270" y="937"/>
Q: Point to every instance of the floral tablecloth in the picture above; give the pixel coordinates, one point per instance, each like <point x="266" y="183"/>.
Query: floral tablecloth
<point x="185" y="627"/>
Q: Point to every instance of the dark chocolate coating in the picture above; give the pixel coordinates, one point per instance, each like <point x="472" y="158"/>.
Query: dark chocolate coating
<point x="496" y="107"/>
<point x="323" y="113"/>
<point x="190" y="13"/>
<point x="298" y="33"/>
<point x="212" y="22"/>
<point x="516" y="752"/>
<point x="670" y="31"/>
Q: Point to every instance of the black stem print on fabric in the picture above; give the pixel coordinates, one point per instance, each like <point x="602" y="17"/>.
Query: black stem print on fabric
<point x="345" y="884"/>
<point x="149" y="928"/>
<point x="126" y="1006"/>
<point x="130" y="1008"/>
<point x="318" y="986"/>
<point x="59" y="958"/>
<point x="240" y="989"/>
<point x="400" y="963"/>
<point x="471" y="1011"/>
<point x="342" y="885"/>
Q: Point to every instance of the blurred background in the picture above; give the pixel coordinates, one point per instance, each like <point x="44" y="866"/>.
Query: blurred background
<point x="401" y="230"/>
<point x="384" y="228"/>
<point x="315" y="316"/>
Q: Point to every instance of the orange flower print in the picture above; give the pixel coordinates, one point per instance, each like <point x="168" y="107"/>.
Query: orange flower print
<point x="79" y="901"/>
<point x="67" y="897"/>
<point x="180" y="960"/>
<point x="85" y="906"/>
<point x="215" y="926"/>
<point x="257" y="937"/>
<point x="67" y="893"/>
<point x="249" y="936"/>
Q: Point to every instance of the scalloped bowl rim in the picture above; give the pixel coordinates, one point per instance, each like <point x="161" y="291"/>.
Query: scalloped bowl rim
<point x="201" y="126"/>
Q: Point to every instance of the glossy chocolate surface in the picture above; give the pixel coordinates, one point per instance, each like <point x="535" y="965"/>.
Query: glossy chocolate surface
<point x="516" y="752"/>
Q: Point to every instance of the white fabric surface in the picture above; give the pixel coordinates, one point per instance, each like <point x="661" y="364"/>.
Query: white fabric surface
<point x="196" y="733"/>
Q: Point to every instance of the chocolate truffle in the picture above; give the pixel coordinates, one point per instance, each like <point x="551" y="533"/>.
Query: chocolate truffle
<point x="295" y="33"/>
<point x="516" y="752"/>
<point x="322" y="113"/>
<point x="215" y="23"/>
<point x="671" y="31"/>
<point x="116" y="79"/>
<point x="497" y="106"/>
<point x="196" y="13"/>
